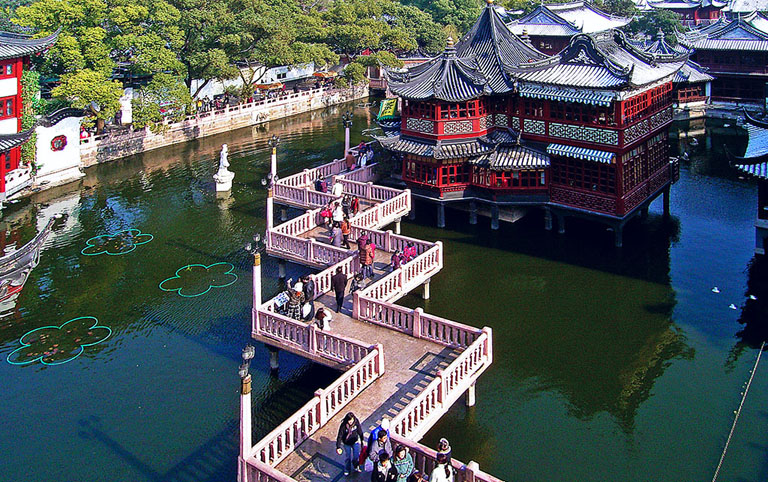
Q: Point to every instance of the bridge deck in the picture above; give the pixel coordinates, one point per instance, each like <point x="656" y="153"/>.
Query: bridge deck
<point x="400" y="363"/>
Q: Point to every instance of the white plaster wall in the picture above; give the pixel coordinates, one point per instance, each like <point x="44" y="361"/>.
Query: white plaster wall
<point x="9" y="87"/>
<point x="216" y="87"/>
<point x="9" y="126"/>
<point x="126" y="106"/>
<point x="59" y="166"/>
<point x="291" y="73"/>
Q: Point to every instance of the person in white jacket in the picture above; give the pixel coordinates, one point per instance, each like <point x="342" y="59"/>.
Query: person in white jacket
<point x="442" y="472"/>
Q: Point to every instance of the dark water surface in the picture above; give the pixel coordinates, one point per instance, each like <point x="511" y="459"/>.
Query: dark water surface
<point x="609" y="364"/>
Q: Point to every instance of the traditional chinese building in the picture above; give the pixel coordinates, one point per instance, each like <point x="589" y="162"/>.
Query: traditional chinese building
<point x="755" y="163"/>
<point x="692" y="83"/>
<point x="580" y="134"/>
<point x="692" y="12"/>
<point x="736" y="53"/>
<point x="15" y="52"/>
<point x="550" y="27"/>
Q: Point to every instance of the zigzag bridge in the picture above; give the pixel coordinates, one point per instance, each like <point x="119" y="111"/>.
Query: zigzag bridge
<point x="430" y="361"/>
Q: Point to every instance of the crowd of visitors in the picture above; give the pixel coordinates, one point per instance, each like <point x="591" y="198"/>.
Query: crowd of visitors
<point x="385" y="462"/>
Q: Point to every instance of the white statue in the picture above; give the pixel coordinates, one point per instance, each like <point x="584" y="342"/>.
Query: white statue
<point x="223" y="177"/>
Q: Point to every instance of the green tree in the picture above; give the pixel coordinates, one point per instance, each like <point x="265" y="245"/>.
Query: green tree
<point x="462" y="14"/>
<point x="86" y="86"/>
<point x="166" y="96"/>
<point x="428" y="34"/>
<point x="651" y="22"/>
<point x="622" y="8"/>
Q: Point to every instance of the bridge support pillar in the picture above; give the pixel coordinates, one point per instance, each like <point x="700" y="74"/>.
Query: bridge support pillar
<point x="547" y="219"/>
<point x="412" y="212"/>
<point x="560" y="224"/>
<point x="618" y="235"/>
<point x="471" y="395"/>
<point x="245" y="428"/>
<point x="274" y="361"/>
<point x="397" y="226"/>
<point x="495" y="216"/>
<point x="281" y="268"/>
<point x="472" y="212"/>
<point x="441" y="215"/>
<point x="666" y="202"/>
<point x="426" y="290"/>
<point x="283" y="215"/>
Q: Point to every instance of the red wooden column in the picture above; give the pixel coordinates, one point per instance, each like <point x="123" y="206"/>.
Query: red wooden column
<point x="3" y="171"/>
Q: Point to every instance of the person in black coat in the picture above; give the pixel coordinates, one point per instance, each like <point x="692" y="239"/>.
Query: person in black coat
<point x="339" y="284"/>
<point x="350" y="438"/>
<point x="384" y="470"/>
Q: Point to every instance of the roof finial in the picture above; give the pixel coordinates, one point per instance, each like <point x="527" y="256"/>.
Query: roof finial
<point x="660" y="35"/>
<point x="489" y="2"/>
<point x="449" y="43"/>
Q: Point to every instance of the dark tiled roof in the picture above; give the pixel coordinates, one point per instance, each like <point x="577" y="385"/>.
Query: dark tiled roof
<point x="543" y="21"/>
<point x="446" y="77"/>
<point x="507" y="158"/>
<point x="450" y="149"/>
<point x="9" y="141"/>
<point x="603" y="60"/>
<point x="496" y="49"/>
<point x="586" y="17"/>
<point x="15" y="46"/>
<point x="755" y="159"/>
<point x="690" y="72"/>
<point x="744" y="33"/>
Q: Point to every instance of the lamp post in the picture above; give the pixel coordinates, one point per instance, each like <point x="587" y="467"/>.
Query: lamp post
<point x="347" y="120"/>
<point x="255" y="249"/>
<point x="246" y="426"/>
<point x="272" y="177"/>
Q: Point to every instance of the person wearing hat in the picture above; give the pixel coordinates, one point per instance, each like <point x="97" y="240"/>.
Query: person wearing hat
<point x="443" y="447"/>
<point x="295" y="300"/>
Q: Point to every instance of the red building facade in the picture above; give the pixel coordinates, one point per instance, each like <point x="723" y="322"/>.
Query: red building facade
<point x="582" y="133"/>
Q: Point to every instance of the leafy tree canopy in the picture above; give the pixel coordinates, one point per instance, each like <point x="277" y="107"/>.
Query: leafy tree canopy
<point x="461" y="14"/>
<point x="651" y="22"/>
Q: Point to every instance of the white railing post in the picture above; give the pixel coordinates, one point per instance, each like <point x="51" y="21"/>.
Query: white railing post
<point x="312" y="341"/>
<point x="417" y="322"/>
<point x="488" y="351"/>
<point x="306" y="177"/>
<point x="323" y="415"/>
<point x="440" y="254"/>
<point x="380" y="359"/>
<point x="311" y="250"/>
<point x="368" y="187"/>
<point x="469" y="472"/>
<point x="388" y="241"/>
<point x="356" y="305"/>
<point x="305" y="194"/>
<point x="441" y="392"/>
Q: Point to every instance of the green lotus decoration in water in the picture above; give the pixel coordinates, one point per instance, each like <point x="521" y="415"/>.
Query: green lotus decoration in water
<point x="55" y="345"/>
<point x="198" y="279"/>
<point x="121" y="242"/>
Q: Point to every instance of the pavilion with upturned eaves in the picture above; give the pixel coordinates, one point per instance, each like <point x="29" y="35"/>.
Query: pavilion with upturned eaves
<point x="580" y="134"/>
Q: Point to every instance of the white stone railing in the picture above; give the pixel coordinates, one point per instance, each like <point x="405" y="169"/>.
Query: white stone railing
<point x="283" y="440"/>
<point x="425" y="409"/>
<point x="425" y="460"/>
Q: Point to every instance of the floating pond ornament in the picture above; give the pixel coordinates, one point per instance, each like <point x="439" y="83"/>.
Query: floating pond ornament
<point x="198" y="279"/>
<point x="55" y="345"/>
<point x="121" y="242"/>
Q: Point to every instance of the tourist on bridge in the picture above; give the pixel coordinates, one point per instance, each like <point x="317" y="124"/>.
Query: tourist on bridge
<point x="308" y="310"/>
<point x="345" y="201"/>
<point x="362" y="239"/>
<point x="349" y="440"/>
<point x="382" y="445"/>
<point x="323" y="319"/>
<point x="295" y="300"/>
<point x="443" y="447"/>
<point x="403" y="462"/>
<point x="336" y="234"/>
<point x="346" y="229"/>
<point x="443" y="472"/>
<point x="397" y="260"/>
<point x="339" y="284"/>
<point x="350" y="160"/>
<point x="321" y="185"/>
<point x="383" y="426"/>
<point x="366" y="260"/>
<point x="384" y="471"/>
<point x="325" y="214"/>
<point x="358" y="283"/>
<point x="338" y="189"/>
<point x="354" y="205"/>
<point x="417" y="476"/>
<point x="338" y="212"/>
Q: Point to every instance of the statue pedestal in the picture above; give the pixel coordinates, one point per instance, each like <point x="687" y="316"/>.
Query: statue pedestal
<point x="223" y="180"/>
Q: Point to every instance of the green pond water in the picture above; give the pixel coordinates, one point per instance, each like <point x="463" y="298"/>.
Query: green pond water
<point x="610" y="364"/>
